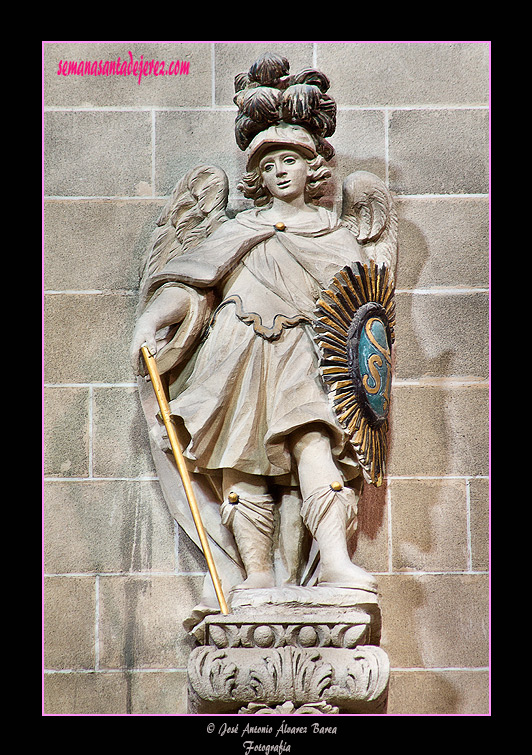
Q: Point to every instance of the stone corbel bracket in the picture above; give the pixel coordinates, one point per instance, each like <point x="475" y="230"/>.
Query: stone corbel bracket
<point x="291" y="650"/>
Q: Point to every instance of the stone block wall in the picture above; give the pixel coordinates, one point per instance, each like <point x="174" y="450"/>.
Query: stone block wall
<point x="119" y="575"/>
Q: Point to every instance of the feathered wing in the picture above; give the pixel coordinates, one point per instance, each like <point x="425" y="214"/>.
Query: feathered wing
<point x="195" y="209"/>
<point x="369" y="213"/>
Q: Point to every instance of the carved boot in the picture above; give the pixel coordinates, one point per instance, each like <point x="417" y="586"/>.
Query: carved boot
<point x="251" y="521"/>
<point x="330" y="513"/>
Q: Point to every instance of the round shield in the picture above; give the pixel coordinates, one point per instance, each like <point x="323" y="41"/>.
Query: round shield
<point x="355" y="331"/>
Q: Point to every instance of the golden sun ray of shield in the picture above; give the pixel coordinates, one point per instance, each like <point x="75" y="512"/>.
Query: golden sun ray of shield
<point x="354" y="331"/>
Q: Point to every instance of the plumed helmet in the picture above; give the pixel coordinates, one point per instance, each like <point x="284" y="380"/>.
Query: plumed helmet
<point x="281" y="135"/>
<point x="274" y="106"/>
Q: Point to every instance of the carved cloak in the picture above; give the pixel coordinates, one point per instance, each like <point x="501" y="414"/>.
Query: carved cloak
<point x="316" y="252"/>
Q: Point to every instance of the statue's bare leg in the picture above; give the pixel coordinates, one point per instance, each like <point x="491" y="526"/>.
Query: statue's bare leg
<point x="329" y="508"/>
<point x="247" y="511"/>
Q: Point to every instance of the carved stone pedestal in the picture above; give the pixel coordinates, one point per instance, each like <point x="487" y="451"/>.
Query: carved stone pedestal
<point x="291" y="650"/>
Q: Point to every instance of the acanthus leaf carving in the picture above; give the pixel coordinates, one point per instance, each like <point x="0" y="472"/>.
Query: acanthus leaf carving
<point x="269" y="678"/>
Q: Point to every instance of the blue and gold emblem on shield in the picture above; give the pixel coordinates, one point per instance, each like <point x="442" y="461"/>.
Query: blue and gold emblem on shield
<point x="354" y="332"/>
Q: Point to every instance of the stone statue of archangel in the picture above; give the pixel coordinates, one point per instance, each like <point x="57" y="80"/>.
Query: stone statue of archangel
<point x="273" y="333"/>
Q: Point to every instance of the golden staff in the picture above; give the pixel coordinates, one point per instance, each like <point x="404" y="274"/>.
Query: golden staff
<point x="183" y="471"/>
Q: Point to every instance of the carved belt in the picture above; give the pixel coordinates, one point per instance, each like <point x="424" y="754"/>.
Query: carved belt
<point x="252" y="318"/>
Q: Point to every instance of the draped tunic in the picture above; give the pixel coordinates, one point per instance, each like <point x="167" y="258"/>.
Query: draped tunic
<point x="255" y="375"/>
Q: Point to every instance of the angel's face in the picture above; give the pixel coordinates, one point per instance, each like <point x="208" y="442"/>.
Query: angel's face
<point x="284" y="174"/>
